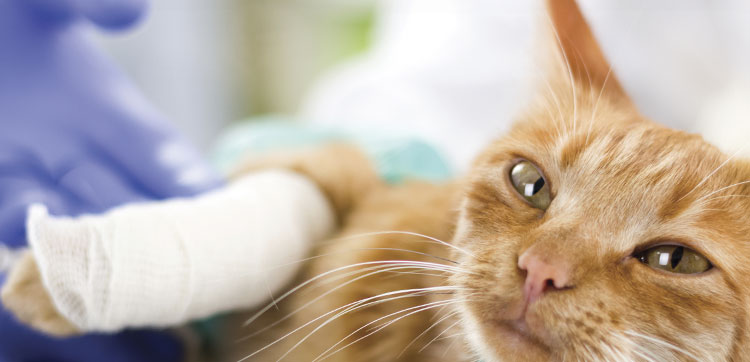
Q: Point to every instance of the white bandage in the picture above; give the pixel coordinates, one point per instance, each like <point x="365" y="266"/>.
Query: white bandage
<point x="164" y="263"/>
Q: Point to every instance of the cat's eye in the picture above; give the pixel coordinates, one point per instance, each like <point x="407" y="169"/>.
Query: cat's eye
<point x="675" y="259"/>
<point x="530" y="184"/>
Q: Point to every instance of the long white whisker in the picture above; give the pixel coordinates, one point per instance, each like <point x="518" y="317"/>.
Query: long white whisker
<point x="422" y="308"/>
<point x="644" y="353"/>
<point x="426" y="331"/>
<point x="591" y="353"/>
<point x="378" y="269"/>
<point x="663" y="343"/>
<point x="722" y="189"/>
<point x="596" y="104"/>
<point x="724" y="197"/>
<point x="390" y="232"/>
<point x="453" y="342"/>
<point x="438" y="336"/>
<point x="354" y="306"/>
<point x="570" y="72"/>
<point x="323" y="355"/>
<point x="427" y="265"/>
<point x="398" y="274"/>
<point x="636" y="349"/>
<point x="348" y="251"/>
<point x="363" y="249"/>
<point x="560" y="119"/>
<point x="714" y="171"/>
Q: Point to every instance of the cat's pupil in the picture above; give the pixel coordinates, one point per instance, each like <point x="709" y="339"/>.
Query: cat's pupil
<point x="677" y="256"/>
<point x="538" y="185"/>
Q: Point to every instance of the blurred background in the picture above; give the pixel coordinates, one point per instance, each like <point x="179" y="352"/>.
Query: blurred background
<point x="208" y="63"/>
<point x="406" y="66"/>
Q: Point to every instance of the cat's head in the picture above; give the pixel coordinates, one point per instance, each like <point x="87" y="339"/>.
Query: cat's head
<point x="592" y="233"/>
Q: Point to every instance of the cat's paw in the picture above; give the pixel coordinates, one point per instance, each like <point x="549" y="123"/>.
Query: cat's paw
<point x="25" y="296"/>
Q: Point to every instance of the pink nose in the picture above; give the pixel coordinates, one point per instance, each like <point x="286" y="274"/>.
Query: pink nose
<point x="542" y="276"/>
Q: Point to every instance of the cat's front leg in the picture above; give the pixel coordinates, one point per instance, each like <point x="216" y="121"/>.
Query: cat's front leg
<point x="388" y="287"/>
<point x="25" y="295"/>
<point x="343" y="172"/>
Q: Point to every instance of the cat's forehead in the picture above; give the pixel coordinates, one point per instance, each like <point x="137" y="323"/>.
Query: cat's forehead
<point x="639" y="172"/>
<point x="637" y="156"/>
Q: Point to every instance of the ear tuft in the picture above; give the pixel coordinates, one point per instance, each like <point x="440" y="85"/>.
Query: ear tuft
<point x="578" y="52"/>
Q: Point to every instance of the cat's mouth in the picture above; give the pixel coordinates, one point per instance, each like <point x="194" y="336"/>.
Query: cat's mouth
<point x="518" y="329"/>
<point x="518" y="335"/>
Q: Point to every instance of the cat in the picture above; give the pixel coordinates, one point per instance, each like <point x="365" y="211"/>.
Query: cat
<point x="587" y="232"/>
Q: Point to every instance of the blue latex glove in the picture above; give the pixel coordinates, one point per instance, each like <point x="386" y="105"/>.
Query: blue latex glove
<point x="76" y="136"/>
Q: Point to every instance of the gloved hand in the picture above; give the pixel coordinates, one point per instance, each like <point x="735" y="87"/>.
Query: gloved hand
<point x="76" y="136"/>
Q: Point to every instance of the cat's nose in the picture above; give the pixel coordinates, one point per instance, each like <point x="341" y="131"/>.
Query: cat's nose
<point x="542" y="276"/>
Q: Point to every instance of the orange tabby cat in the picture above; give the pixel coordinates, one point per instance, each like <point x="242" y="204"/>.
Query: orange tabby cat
<point x="585" y="233"/>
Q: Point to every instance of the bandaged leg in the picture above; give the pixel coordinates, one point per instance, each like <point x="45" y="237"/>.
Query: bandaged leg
<point x="165" y="263"/>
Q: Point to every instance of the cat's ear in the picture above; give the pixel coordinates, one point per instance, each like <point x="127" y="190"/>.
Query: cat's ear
<point x="577" y="56"/>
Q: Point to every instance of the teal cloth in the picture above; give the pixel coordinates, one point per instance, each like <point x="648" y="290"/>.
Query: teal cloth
<point x="396" y="158"/>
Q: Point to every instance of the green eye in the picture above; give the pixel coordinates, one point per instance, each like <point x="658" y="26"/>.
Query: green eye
<point x="530" y="184"/>
<point x="675" y="259"/>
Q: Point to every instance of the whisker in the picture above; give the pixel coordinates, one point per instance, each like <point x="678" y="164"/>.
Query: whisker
<point x="426" y="331"/>
<point x="389" y="268"/>
<point x="369" y="324"/>
<point x="591" y="353"/>
<point x="318" y="277"/>
<point x="411" y="233"/>
<point x="596" y="104"/>
<point x="438" y="336"/>
<point x="343" y="252"/>
<point x="714" y="171"/>
<point x="645" y="353"/>
<point x="663" y="343"/>
<point x="453" y="336"/>
<point x="386" y="268"/>
<point x="570" y="71"/>
<point x="365" y="249"/>
<point x="722" y="189"/>
<point x="561" y="118"/>
<point x="359" y="303"/>
<point x="422" y="308"/>
<point x="638" y="350"/>
<point x="453" y="342"/>
<point x="724" y="197"/>
<point x="398" y="274"/>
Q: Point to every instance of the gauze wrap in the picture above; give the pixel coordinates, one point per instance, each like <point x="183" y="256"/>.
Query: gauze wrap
<point x="164" y="263"/>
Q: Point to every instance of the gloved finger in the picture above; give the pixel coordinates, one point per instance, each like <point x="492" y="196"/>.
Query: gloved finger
<point x="95" y="185"/>
<point x="154" y="157"/>
<point x="113" y="14"/>
<point x="52" y="11"/>
<point x="17" y="195"/>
